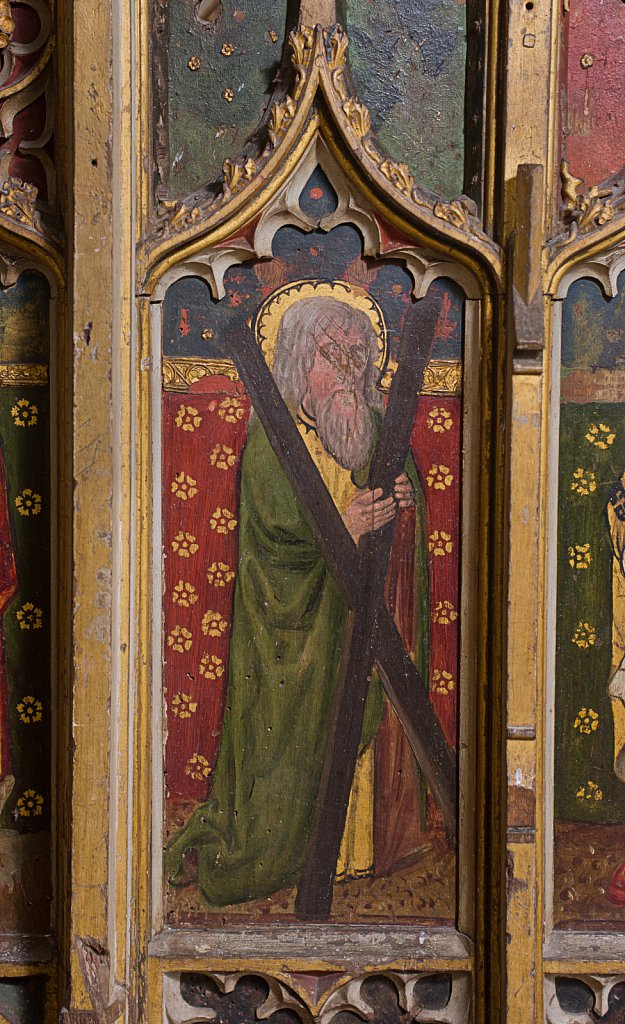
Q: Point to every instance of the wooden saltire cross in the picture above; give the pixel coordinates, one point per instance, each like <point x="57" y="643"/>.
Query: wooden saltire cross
<point x="373" y="637"/>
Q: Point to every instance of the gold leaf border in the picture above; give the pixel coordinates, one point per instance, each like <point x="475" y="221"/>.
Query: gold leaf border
<point x="15" y="375"/>
<point x="441" y="377"/>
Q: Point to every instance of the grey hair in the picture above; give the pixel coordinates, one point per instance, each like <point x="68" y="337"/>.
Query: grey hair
<point x="296" y="346"/>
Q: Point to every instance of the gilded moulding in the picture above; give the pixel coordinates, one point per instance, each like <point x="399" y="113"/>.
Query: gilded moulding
<point x="15" y="375"/>
<point x="592" y="208"/>
<point x="441" y="377"/>
<point x="593" y="222"/>
<point x="180" y="374"/>
<point x="319" y="58"/>
<point x="22" y="228"/>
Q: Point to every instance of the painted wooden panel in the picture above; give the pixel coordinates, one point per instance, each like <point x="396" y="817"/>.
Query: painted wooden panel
<point x="220" y="60"/>
<point x="589" y="776"/>
<point x="25" y="606"/>
<point x="231" y="628"/>
<point x="216" y="64"/>
<point x="409" y="64"/>
<point x="594" y="89"/>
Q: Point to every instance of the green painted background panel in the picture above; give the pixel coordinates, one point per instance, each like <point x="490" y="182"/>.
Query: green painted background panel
<point x="593" y="342"/>
<point x="204" y="128"/>
<point x="408" y="61"/>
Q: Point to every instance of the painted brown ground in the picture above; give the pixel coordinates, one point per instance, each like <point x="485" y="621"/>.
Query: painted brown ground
<point x="586" y="856"/>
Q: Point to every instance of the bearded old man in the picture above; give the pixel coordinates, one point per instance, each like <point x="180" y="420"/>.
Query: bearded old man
<point x="289" y="629"/>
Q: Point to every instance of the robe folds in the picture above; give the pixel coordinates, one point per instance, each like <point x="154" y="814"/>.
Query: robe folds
<point x="288" y="633"/>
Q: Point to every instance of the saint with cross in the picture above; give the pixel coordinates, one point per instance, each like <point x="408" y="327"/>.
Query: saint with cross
<point x="314" y="644"/>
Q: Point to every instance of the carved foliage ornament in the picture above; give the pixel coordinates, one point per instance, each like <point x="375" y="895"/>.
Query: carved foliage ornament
<point x="7" y="25"/>
<point x="319" y="59"/>
<point x="585" y="210"/>
<point x="18" y="202"/>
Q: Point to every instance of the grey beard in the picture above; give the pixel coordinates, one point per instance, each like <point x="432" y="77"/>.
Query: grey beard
<point x="346" y="431"/>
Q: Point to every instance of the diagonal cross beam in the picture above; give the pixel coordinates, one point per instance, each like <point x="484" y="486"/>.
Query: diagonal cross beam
<point x="401" y="680"/>
<point x="314" y="896"/>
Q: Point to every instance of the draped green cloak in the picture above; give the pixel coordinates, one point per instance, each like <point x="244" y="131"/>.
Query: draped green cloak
<point x="288" y="632"/>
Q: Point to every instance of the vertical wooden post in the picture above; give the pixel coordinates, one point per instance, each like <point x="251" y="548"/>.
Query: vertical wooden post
<point x="524" y="638"/>
<point x="101" y="287"/>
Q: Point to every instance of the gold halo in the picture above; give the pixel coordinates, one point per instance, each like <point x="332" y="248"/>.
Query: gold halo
<point x="274" y="307"/>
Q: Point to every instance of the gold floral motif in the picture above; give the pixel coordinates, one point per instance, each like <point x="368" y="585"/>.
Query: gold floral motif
<point x="457" y="212"/>
<point x="584" y="482"/>
<point x="180" y="639"/>
<point x="442" y="682"/>
<point x="184" y="545"/>
<point x="439" y="477"/>
<point x="444" y="613"/>
<point x="587" y="721"/>
<point x="28" y="503"/>
<point x="358" y="117"/>
<point x="236" y="174"/>
<point x="301" y="46"/>
<point x="231" y="410"/>
<point x="440" y="543"/>
<point x="179" y="215"/>
<point x="7" y="24"/>
<point x="211" y="667"/>
<point x="219" y="574"/>
<point x="222" y="520"/>
<point x="197" y="767"/>
<point x="228" y="95"/>
<point x="183" y="705"/>
<point x="227" y="49"/>
<point x="194" y="64"/>
<point x="188" y="418"/>
<point x="30" y="710"/>
<point x="439" y="420"/>
<point x="586" y="210"/>
<point x="601" y="435"/>
<point x="183" y="486"/>
<point x="580" y="556"/>
<point x="279" y="119"/>
<point x="214" y="624"/>
<point x="29" y="617"/>
<point x="590" y="791"/>
<point x="585" y="636"/>
<point x="337" y="43"/>
<point x="399" y="175"/>
<point x="222" y="457"/>
<point x="18" y="202"/>
<point x="184" y="594"/>
<point x="24" y="413"/>
<point x="30" y="804"/>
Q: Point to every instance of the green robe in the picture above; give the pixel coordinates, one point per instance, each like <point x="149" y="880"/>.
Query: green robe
<point x="288" y="632"/>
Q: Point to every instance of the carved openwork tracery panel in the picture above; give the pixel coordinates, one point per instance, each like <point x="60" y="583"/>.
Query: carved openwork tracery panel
<point x="380" y="998"/>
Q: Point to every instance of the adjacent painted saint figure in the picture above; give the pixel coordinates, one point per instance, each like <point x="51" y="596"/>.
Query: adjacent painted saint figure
<point x="290" y="618"/>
